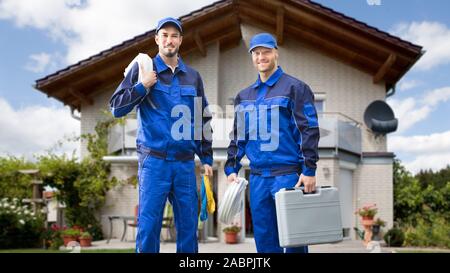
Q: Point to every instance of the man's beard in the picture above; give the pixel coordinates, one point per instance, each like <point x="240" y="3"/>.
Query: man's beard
<point x="269" y="68"/>
<point x="170" y="54"/>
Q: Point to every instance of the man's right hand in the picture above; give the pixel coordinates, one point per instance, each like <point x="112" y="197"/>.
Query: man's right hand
<point x="232" y="178"/>
<point x="148" y="77"/>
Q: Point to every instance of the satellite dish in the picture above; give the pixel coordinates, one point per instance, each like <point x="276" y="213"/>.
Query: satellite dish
<point x="380" y="118"/>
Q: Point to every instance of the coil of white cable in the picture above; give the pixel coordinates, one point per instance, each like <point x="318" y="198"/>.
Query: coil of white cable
<point x="231" y="203"/>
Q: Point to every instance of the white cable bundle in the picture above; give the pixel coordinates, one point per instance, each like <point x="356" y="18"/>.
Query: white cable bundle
<point x="143" y="60"/>
<point x="232" y="201"/>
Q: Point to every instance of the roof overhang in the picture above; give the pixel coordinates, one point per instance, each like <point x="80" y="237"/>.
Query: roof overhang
<point x="385" y="57"/>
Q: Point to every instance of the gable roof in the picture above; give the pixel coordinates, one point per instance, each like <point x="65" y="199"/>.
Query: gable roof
<point x="386" y="57"/>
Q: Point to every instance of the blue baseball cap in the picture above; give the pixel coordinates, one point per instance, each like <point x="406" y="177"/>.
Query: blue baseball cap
<point x="264" y="40"/>
<point x="169" y="20"/>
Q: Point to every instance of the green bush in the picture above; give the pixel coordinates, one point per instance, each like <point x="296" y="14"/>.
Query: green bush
<point x="436" y="234"/>
<point x="71" y="232"/>
<point x="13" y="183"/>
<point x="394" y="237"/>
<point x="82" y="185"/>
<point x="19" y="226"/>
<point x="412" y="237"/>
<point x="422" y="206"/>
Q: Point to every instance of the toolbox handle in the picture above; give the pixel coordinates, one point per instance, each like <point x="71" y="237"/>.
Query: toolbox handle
<point x="302" y="188"/>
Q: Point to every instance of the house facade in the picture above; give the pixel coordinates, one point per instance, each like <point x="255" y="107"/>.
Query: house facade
<point x="347" y="64"/>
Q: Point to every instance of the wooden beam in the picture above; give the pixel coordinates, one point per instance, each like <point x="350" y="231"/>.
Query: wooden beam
<point x="322" y="44"/>
<point x="384" y="69"/>
<point x="364" y="56"/>
<point x="302" y="10"/>
<point x="113" y="72"/>
<point x="229" y="42"/>
<point x="199" y="43"/>
<point x="333" y="50"/>
<point x="203" y="18"/>
<point x="97" y="88"/>
<point x="306" y="17"/>
<point x="280" y="25"/>
<point x="217" y="22"/>
<point x="261" y="16"/>
<point x="83" y="98"/>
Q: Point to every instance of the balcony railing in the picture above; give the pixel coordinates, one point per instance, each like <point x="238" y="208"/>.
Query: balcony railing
<point x="337" y="131"/>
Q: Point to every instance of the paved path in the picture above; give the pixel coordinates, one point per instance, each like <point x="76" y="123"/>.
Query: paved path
<point x="213" y="246"/>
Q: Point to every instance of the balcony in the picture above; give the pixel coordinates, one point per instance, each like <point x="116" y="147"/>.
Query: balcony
<point x="337" y="131"/>
<point x="122" y="137"/>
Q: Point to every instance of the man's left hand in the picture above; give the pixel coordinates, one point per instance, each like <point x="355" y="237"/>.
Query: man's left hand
<point x="308" y="181"/>
<point x="208" y="170"/>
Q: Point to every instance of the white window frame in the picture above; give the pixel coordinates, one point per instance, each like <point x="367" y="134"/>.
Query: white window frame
<point x="323" y="98"/>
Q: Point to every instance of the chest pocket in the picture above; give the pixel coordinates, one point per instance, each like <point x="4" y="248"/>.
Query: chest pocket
<point x="278" y="114"/>
<point x="188" y="94"/>
<point x="188" y="91"/>
<point x="159" y="98"/>
<point x="278" y="106"/>
<point x="278" y="102"/>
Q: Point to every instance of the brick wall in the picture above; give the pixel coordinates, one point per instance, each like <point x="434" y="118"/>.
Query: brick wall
<point x="374" y="185"/>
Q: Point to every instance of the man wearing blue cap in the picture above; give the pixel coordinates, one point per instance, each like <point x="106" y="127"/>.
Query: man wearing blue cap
<point x="286" y="159"/>
<point x="166" y="142"/>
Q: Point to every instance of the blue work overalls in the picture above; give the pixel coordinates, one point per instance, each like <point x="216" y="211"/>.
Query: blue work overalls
<point x="291" y="101"/>
<point x="166" y="164"/>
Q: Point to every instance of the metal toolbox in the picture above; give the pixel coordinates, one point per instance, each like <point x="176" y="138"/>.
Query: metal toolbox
<point x="308" y="219"/>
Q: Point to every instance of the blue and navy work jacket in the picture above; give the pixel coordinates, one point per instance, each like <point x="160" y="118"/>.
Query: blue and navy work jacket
<point x="154" y="107"/>
<point x="289" y="100"/>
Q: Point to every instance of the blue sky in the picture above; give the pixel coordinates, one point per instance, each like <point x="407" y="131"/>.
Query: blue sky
<point x="40" y="36"/>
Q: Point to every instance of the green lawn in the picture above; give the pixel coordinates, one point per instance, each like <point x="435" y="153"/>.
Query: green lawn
<point x="37" y="250"/>
<point x="423" y="251"/>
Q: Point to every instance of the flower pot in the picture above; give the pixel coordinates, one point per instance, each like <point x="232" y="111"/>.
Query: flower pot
<point x="368" y="222"/>
<point x="85" y="242"/>
<point x="376" y="229"/>
<point x="230" y="237"/>
<point x="68" y="239"/>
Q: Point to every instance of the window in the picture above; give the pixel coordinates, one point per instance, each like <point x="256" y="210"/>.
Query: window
<point x="319" y="102"/>
<point x="319" y="106"/>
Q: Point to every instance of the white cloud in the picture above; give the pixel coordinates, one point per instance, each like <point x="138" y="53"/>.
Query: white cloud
<point x="429" y="151"/>
<point x="433" y="36"/>
<point x="38" y="62"/>
<point x="44" y="62"/>
<point x="412" y="110"/>
<point x="437" y="96"/>
<point x="434" y="143"/>
<point x="88" y="27"/>
<point x="408" y="112"/>
<point x="408" y="84"/>
<point x="35" y="129"/>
